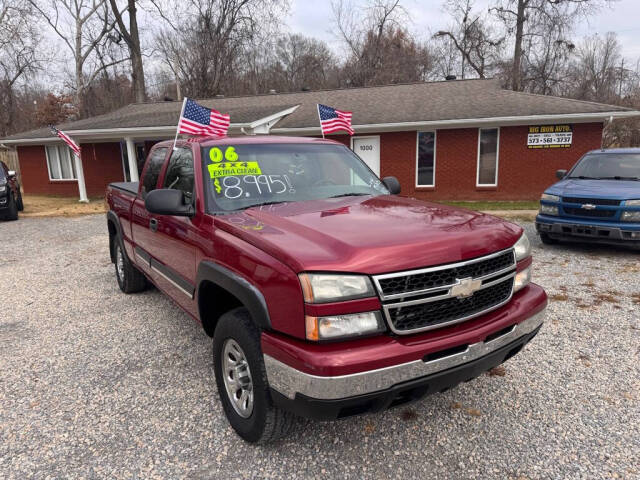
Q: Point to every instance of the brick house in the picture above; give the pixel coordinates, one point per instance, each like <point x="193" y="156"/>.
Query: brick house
<point x="459" y="139"/>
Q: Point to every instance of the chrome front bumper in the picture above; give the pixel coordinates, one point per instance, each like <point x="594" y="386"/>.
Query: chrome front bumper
<point x="289" y="381"/>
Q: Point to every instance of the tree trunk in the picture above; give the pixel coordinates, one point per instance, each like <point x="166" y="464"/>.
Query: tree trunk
<point x="137" y="67"/>
<point x="516" y="83"/>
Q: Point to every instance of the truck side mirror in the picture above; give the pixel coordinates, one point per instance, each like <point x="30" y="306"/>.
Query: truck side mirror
<point x="11" y="173"/>
<point x="560" y="174"/>
<point x="392" y="184"/>
<point x="167" y="201"/>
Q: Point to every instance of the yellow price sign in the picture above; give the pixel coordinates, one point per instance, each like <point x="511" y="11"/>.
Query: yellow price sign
<point x="231" y="169"/>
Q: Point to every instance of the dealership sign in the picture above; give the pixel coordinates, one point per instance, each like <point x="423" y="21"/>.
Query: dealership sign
<point x="550" y="136"/>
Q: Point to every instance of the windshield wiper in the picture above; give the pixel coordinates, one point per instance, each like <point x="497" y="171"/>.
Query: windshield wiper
<point x="582" y="177"/>
<point x="274" y="202"/>
<point x="350" y="195"/>
<point x="618" y="177"/>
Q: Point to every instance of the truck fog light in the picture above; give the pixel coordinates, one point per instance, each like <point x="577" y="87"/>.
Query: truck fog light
<point x="546" y="209"/>
<point x="523" y="278"/>
<point x="340" y="326"/>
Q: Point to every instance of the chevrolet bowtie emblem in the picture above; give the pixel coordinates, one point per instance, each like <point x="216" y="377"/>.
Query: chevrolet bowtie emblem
<point x="465" y="287"/>
<point x="589" y="206"/>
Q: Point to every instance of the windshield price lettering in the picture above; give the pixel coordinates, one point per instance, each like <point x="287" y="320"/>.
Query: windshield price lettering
<point x="237" y="186"/>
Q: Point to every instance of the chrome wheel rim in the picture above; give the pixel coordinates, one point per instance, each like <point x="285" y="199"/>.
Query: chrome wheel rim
<point x="237" y="378"/>
<point x="119" y="263"/>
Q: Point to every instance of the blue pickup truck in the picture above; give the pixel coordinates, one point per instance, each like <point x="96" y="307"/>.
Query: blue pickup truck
<point x="598" y="200"/>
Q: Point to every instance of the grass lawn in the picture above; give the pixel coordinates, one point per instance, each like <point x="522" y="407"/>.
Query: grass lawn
<point x="51" y="206"/>
<point x="523" y="205"/>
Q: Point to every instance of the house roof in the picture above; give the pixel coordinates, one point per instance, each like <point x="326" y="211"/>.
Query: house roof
<point x="445" y="102"/>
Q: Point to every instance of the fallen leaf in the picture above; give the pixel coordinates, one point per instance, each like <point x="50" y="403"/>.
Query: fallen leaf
<point x="498" y="371"/>
<point x="473" y="412"/>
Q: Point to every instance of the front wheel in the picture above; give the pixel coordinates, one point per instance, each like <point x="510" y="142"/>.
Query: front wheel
<point x="547" y="240"/>
<point x="242" y="383"/>
<point x="20" y="204"/>
<point x="12" y="210"/>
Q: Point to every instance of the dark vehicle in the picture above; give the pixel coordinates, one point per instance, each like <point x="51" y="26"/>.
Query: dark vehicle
<point x="326" y="294"/>
<point x="598" y="200"/>
<point x="10" y="196"/>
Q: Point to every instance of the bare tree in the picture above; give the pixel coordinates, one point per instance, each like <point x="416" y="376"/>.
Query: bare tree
<point x="471" y="36"/>
<point x="379" y="47"/>
<point x="529" y="20"/>
<point x="205" y="44"/>
<point x="84" y="27"/>
<point x="132" y="39"/>
<point x="19" y="40"/>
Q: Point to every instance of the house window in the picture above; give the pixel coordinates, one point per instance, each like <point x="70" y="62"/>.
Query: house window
<point x="488" y="140"/>
<point x="60" y="163"/>
<point x="426" y="159"/>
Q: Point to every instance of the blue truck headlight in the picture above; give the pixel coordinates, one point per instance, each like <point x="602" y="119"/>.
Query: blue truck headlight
<point x="548" y="209"/>
<point x="631" y="215"/>
<point x="550" y="198"/>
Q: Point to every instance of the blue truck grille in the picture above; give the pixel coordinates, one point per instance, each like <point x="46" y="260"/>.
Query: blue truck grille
<point x="592" y="201"/>
<point x="581" y="212"/>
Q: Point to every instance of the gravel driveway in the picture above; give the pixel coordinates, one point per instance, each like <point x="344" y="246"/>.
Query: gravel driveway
<point x="98" y="384"/>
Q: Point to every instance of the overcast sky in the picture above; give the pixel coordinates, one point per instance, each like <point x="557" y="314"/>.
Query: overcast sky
<point x="314" y="18"/>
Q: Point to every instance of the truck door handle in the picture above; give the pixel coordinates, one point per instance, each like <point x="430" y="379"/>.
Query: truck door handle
<point x="153" y="224"/>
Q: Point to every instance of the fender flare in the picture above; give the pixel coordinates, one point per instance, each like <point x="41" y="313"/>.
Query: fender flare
<point x="113" y="218"/>
<point x="238" y="286"/>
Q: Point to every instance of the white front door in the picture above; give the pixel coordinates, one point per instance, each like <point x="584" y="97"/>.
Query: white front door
<point x="368" y="149"/>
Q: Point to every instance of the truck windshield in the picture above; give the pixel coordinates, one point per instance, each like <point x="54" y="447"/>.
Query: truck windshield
<point x="614" y="166"/>
<point x="245" y="175"/>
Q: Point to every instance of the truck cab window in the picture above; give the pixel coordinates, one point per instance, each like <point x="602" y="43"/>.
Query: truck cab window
<point x="179" y="174"/>
<point x="154" y="165"/>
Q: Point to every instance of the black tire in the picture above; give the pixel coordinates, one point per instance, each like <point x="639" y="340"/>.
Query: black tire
<point x="547" y="240"/>
<point x="20" y="204"/>
<point x="130" y="279"/>
<point x="266" y="422"/>
<point x="12" y="210"/>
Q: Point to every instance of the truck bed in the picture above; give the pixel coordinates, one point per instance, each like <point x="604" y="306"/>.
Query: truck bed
<point x="127" y="187"/>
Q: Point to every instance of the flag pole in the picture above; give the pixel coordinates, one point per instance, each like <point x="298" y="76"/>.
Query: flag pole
<point x="320" y="120"/>
<point x="184" y="101"/>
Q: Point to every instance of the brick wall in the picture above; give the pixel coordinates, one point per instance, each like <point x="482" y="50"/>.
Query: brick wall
<point x="101" y="163"/>
<point x="522" y="173"/>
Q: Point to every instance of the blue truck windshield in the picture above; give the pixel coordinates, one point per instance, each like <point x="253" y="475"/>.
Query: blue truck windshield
<point x="245" y="175"/>
<point x="616" y="166"/>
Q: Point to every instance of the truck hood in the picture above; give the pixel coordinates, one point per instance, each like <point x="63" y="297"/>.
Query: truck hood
<point x="369" y="235"/>
<point x="612" y="189"/>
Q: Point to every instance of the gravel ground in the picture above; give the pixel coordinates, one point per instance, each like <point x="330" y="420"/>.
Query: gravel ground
<point x="98" y="384"/>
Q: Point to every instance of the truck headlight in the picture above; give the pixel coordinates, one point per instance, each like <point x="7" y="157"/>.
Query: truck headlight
<point x="548" y="209"/>
<point x="340" y="326"/>
<point x="550" y="198"/>
<point x="631" y="216"/>
<point x="323" y="288"/>
<point x="523" y="278"/>
<point x="522" y="248"/>
<point x="2" y="188"/>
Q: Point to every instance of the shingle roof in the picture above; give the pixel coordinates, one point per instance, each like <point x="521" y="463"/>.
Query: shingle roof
<point x="415" y="102"/>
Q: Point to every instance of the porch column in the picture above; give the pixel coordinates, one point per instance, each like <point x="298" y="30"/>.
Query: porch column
<point x="82" y="188"/>
<point x="133" y="160"/>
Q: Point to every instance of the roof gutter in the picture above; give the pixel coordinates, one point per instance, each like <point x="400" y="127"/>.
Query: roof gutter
<point x="471" y="122"/>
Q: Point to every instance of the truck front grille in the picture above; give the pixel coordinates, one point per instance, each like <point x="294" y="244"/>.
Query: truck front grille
<point x="433" y="297"/>
<point x="434" y="314"/>
<point x="592" y="201"/>
<point x="581" y="212"/>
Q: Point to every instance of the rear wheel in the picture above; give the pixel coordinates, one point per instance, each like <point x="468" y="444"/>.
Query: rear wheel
<point x="242" y="383"/>
<point x="130" y="279"/>
<point x="547" y="240"/>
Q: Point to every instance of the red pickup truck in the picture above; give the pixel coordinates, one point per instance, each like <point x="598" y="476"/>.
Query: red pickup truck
<point x="326" y="294"/>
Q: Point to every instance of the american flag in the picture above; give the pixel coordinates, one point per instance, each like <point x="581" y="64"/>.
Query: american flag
<point x="198" y="120"/>
<point x="67" y="139"/>
<point x="332" y="120"/>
